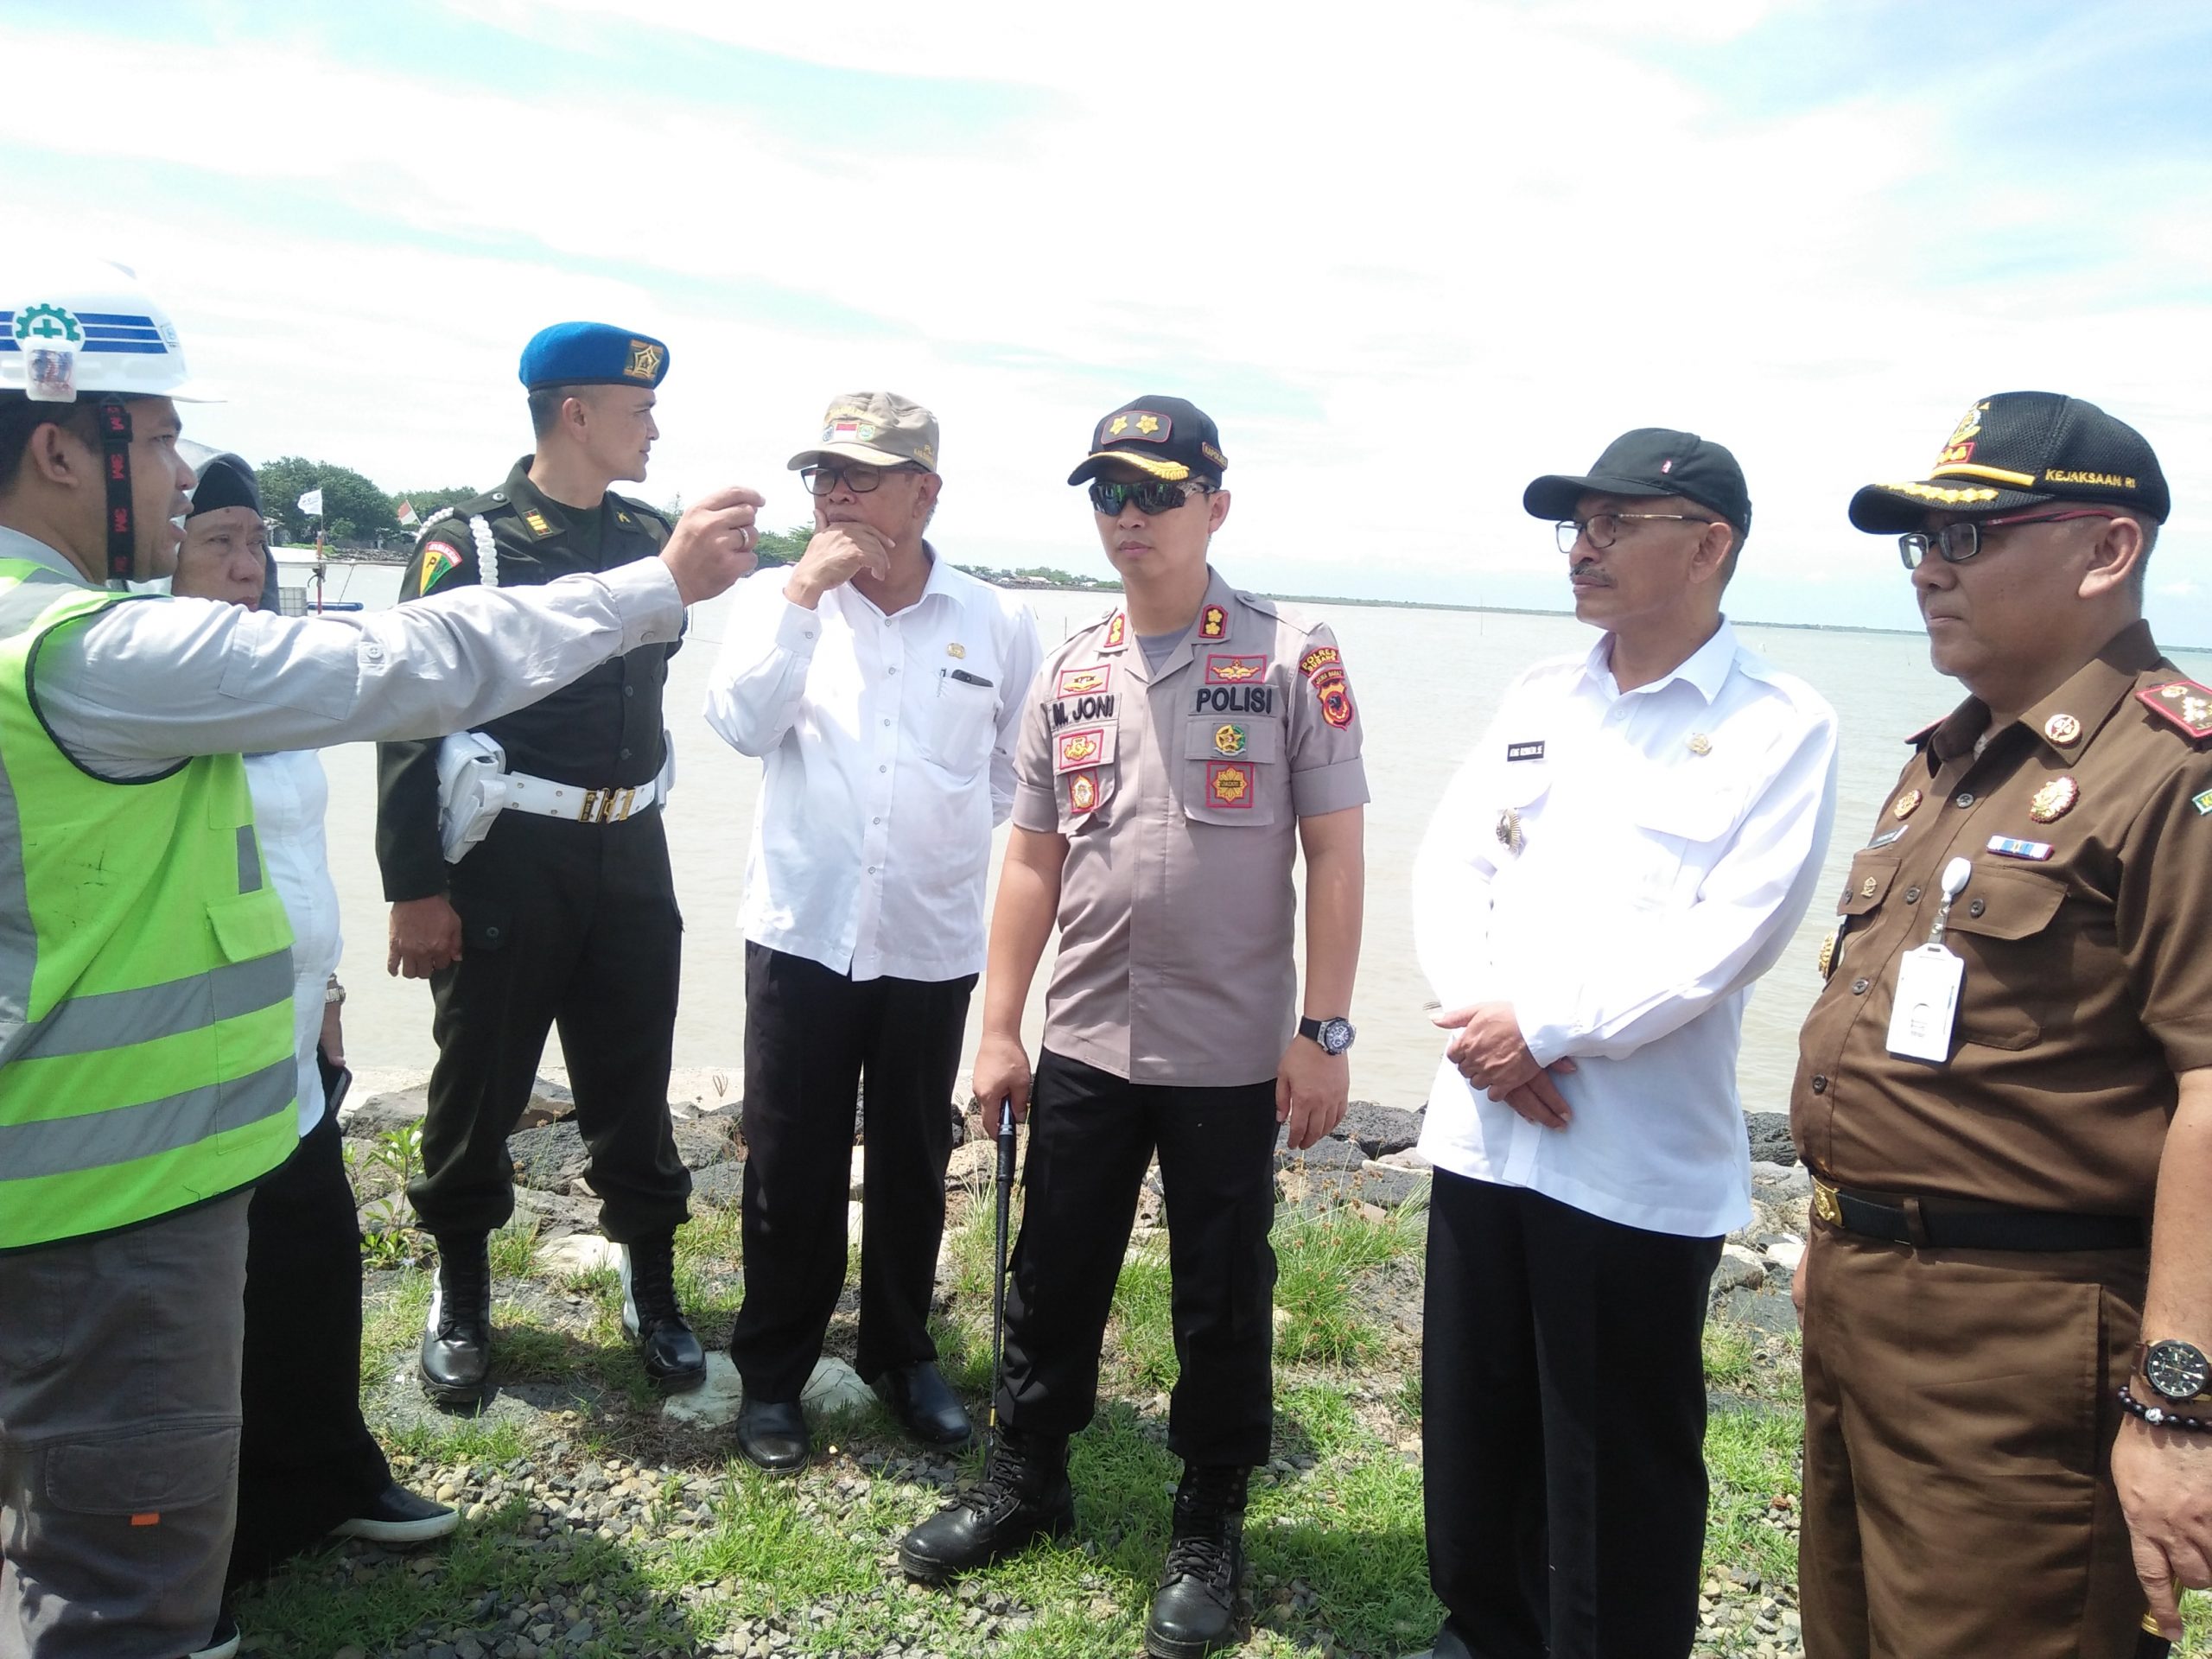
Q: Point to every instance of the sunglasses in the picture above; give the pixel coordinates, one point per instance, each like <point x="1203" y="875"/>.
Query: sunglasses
<point x="1152" y="497"/>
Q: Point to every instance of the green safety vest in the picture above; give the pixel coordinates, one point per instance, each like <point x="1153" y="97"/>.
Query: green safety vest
<point x="146" y="1061"/>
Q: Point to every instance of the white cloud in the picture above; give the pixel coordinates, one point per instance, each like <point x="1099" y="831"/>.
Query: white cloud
<point x="1410" y="257"/>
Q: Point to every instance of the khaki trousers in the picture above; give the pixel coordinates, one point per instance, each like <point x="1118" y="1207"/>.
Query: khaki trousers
<point x="119" y="1363"/>
<point x="1959" y="1421"/>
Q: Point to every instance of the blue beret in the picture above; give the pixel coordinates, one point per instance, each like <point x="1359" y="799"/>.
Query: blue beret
<point x="592" y="355"/>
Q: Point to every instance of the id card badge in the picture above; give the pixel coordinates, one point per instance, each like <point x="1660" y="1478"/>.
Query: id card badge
<point x="1927" y="1003"/>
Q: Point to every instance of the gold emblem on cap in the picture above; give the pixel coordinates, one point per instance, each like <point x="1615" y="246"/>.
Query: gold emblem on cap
<point x="1700" y="744"/>
<point x="2054" y="800"/>
<point x="1905" y="805"/>
<point x="1118" y="425"/>
<point x="1147" y="424"/>
<point x="2063" y="729"/>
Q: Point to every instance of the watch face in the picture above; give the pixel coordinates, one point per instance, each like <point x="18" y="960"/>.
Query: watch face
<point x="2175" y="1369"/>
<point x="1336" y="1035"/>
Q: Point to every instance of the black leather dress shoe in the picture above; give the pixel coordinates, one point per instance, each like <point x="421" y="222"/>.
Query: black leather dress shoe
<point x="772" y="1435"/>
<point x="924" y="1402"/>
<point x="457" y="1336"/>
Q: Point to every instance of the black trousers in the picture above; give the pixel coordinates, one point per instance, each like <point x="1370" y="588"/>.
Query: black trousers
<point x="577" y="923"/>
<point x="1563" y="1427"/>
<point x="810" y="1035"/>
<point x="1090" y="1136"/>
<point x="306" y="1460"/>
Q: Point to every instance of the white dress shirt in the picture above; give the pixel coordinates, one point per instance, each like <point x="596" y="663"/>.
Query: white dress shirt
<point x="290" y="795"/>
<point x="1669" y="840"/>
<point x="889" y="749"/>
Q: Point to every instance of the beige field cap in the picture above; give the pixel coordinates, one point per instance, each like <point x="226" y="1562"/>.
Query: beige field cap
<point x="880" y="427"/>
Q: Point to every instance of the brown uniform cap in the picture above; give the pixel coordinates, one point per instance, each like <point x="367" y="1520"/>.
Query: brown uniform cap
<point x="1180" y="793"/>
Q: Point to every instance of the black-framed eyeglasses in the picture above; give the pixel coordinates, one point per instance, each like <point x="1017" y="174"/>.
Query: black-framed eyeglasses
<point x="860" y="477"/>
<point x="1602" y="529"/>
<point x="1154" y="496"/>
<point x="1960" y="540"/>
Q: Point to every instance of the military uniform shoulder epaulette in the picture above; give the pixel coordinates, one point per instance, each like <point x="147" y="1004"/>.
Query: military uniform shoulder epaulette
<point x="1926" y="732"/>
<point x="493" y="501"/>
<point x="2182" y="704"/>
<point x="1267" y="607"/>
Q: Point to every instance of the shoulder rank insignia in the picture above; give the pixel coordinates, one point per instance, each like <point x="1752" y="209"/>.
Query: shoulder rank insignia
<point x="2182" y="703"/>
<point x="1213" y="622"/>
<point x="1117" y="632"/>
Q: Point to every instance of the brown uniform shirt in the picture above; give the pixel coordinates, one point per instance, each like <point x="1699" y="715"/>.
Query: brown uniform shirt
<point x="2086" y="930"/>
<point x="1180" y="793"/>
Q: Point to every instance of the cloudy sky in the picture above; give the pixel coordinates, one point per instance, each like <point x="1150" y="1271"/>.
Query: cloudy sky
<point x="1408" y="254"/>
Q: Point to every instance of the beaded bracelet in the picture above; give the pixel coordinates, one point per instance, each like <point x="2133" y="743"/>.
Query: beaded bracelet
<point x="2161" y="1417"/>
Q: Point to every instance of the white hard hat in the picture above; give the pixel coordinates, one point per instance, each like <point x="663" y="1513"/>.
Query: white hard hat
<point x="87" y="334"/>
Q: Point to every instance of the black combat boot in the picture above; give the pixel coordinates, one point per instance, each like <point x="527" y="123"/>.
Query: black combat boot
<point x="457" y="1336"/>
<point x="674" y="1359"/>
<point x="1023" y="1496"/>
<point x="1195" y="1611"/>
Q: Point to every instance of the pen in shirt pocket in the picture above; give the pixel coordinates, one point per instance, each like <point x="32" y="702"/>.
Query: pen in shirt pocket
<point x="965" y="677"/>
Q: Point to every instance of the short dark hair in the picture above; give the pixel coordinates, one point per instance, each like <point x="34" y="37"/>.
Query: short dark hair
<point x="20" y="417"/>
<point x="545" y="406"/>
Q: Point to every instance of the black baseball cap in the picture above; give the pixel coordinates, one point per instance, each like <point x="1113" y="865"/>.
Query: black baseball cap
<point x="2020" y="449"/>
<point x="1651" y="460"/>
<point x="1169" y="437"/>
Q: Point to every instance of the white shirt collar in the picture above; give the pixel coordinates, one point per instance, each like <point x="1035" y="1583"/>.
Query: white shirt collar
<point x="1707" y="668"/>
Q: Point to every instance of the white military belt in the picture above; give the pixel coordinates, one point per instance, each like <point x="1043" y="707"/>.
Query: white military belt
<point x="574" y="802"/>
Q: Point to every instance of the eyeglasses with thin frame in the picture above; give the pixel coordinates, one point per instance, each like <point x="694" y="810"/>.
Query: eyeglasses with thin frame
<point x="860" y="476"/>
<point x="1154" y="496"/>
<point x="1960" y="540"/>
<point x="1602" y="529"/>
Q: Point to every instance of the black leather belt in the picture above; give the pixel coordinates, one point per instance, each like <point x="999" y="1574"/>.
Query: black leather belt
<point x="1933" y="1224"/>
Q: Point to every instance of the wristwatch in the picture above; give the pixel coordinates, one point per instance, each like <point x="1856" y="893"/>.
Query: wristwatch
<point x="2177" y="1371"/>
<point x="1333" y="1035"/>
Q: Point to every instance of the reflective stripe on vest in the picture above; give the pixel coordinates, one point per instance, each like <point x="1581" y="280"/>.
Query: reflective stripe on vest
<point x="146" y="1058"/>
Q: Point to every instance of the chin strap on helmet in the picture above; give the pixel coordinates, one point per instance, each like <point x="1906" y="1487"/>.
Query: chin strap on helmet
<point x="122" y="526"/>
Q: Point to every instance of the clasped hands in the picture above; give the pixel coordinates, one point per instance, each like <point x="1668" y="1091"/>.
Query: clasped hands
<point x="1487" y="1049"/>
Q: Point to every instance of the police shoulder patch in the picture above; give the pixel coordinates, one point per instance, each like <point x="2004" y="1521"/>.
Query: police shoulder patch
<point x="2184" y="704"/>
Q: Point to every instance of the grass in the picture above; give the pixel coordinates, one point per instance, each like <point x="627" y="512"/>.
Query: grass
<point x="1334" y="1534"/>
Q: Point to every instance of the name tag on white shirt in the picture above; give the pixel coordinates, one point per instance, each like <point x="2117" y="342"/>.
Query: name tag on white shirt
<point x="1927" y="1003"/>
